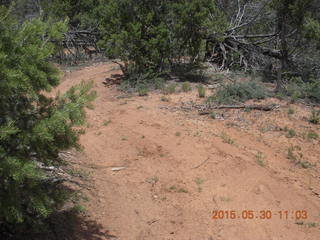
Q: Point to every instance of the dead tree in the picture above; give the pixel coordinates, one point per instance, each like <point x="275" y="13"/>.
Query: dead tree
<point x="79" y="44"/>
<point x="237" y="47"/>
<point x="207" y="109"/>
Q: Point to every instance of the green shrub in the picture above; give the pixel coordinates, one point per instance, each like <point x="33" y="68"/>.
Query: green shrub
<point x="226" y="138"/>
<point x="34" y="127"/>
<point x="312" y="135"/>
<point x="239" y="92"/>
<point x="79" y="208"/>
<point x="297" y="159"/>
<point x="143" y="90"/>
<point x="291" y="111"/>
<point x="291" y="133"/>
<point x="304" y="164"/>
<point x="201" y="91"/>
<point x="152" y="35"/>
<point x="186" y="87"/>
<point x="290" y="155"/>
<point x="213" y="115"/>
<point x="106" y="123"/>
<point x="158" y="83"/>
<point x="165" y="99"/>
<point x="142" y="82"/>
<point x="170" y="89"/>
<point x="315" y="117"/>
<point x="298" y="89"/>
<point x="260" y="159"/>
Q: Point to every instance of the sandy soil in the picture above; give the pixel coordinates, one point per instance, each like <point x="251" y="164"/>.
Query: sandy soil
<point x="179" y="167"/>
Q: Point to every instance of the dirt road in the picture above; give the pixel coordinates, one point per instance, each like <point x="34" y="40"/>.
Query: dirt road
<point x="179" y="167"/>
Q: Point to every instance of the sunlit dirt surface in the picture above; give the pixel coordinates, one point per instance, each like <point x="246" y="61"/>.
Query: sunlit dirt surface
<point x="176" y="168"/>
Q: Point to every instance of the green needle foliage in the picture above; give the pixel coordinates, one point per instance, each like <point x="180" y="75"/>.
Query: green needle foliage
<point x="149" y="36"/>
<point x="33" y="126"/>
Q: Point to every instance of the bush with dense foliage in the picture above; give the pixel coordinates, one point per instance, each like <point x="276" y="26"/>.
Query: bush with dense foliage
<point x="79" y="12"/>
<point x="149" y="36"/>
<point x="299" y="89"/>
<point x="239" y="92"/>
<point x="33" y="126"/>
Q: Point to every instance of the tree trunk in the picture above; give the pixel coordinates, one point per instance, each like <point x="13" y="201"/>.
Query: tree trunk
<point x="284" y="59"/>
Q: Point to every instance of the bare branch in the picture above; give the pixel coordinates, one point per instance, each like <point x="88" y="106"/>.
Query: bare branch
<point x="250" y="21"/>
<point x="257" y="35"/>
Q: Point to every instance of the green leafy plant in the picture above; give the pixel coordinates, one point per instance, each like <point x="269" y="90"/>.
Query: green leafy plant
<point x="199" y="182"/>
<point x="213" y="115"/>
<point x="165" y="99"/>
<point x="79" y="208"/>
<point x="186" y="87"/>
<point x="297" y="159"/>
<point x="143" y="90"/>
<point x="80" y="173"/>
<point x="260" y="160"/>
<point x="315" y="117"/>
<point x="239" y="92"/>
<point x="158" y="83"/>
<point x="170" y="89"/>
<point x="290" y="155"/>
<point x="291" y="133"/>
<point x="226" y="138"/>
<point x="201" y="91"/>
<point x="299" y="89"/>
<point x="291" y="111"/>
<point x="173" y="188"/>
<point x="311" y="135"/>
<point x="153" y="180"/>
<point x="182" y="190"/>
<point x="304" y="164"/>
<point x="106" y="123"/>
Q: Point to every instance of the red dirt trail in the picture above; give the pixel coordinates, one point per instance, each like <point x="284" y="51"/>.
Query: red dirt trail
<point x="179" y="167"/>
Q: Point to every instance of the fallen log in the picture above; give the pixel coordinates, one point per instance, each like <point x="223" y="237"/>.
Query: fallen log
<point x="207" y="109"/>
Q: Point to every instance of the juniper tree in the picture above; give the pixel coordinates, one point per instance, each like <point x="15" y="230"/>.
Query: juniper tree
<point x="151" y="35"/>
<point x="290" y="21"/>
<point x="33" y="126"/>
<point x="79" y="12"/>
<point x="279" y="37"/>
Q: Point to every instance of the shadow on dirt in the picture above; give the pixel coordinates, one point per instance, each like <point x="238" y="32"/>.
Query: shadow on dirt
<point x="191" y="72"/>
<point x="114" y="79"/>
<point x="66" y="225"/>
